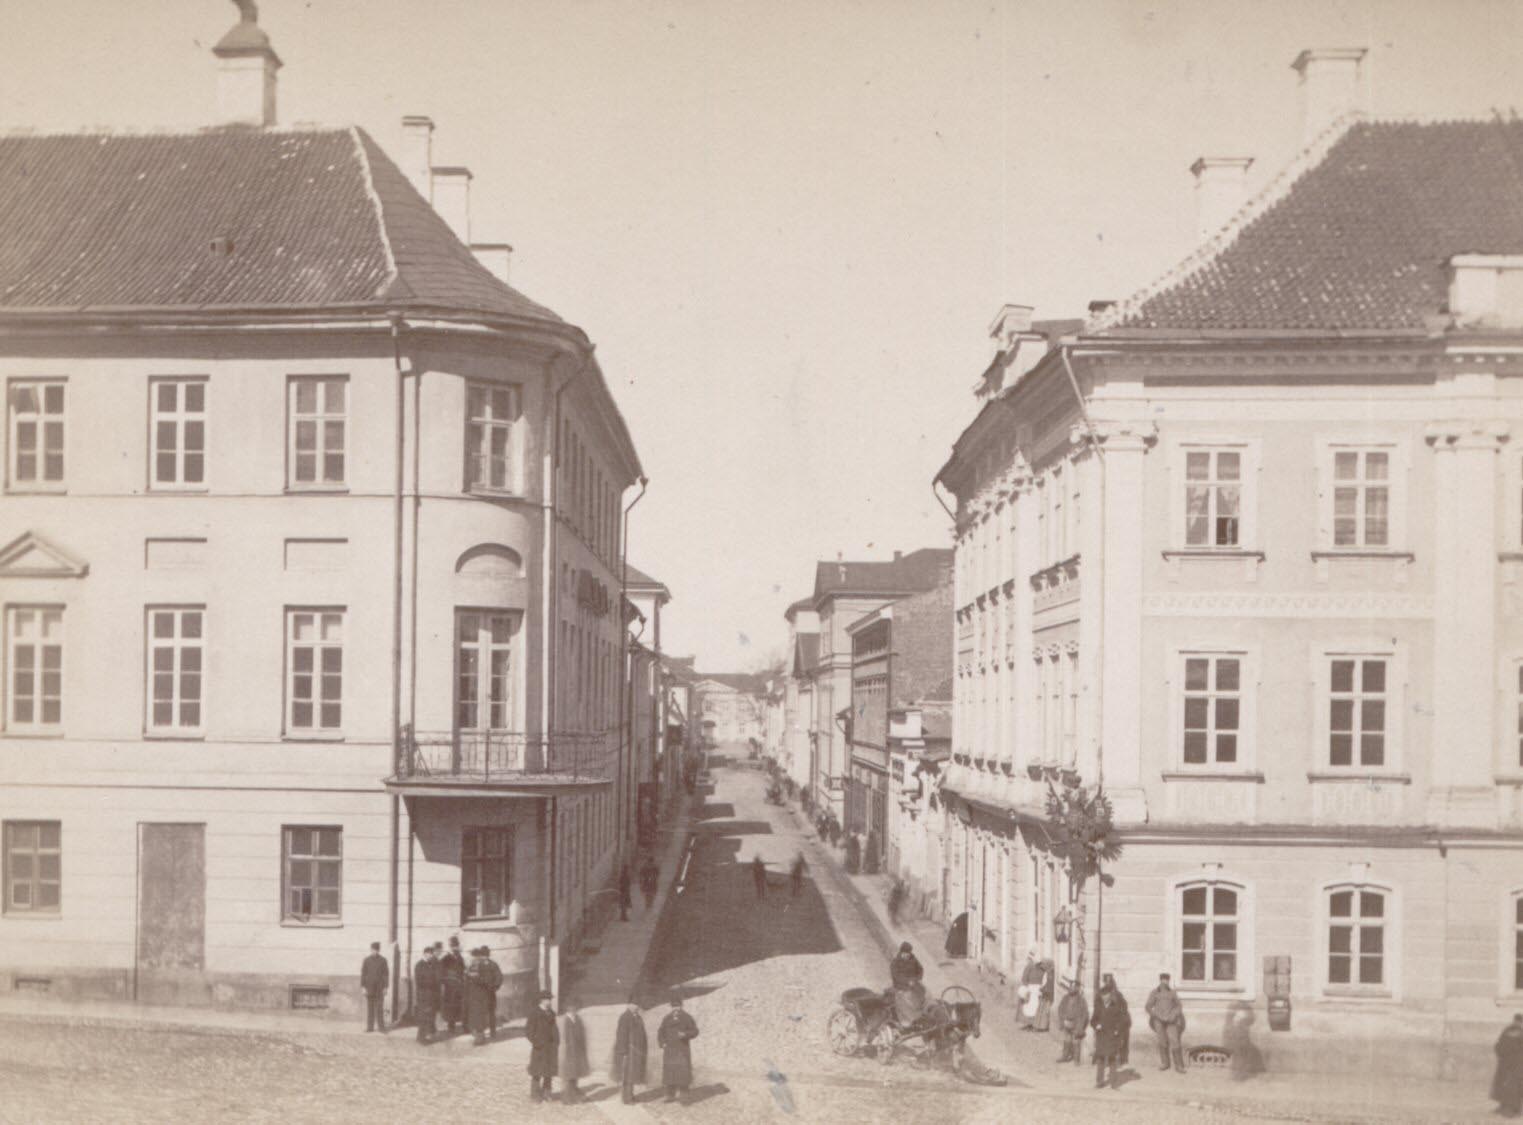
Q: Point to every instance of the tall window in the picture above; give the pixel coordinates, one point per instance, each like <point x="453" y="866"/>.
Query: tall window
<point x="1356" y="936"/>
<point x="1213" y="497"/>
<point x="178" y="432"/>
<point x="1358" y="692"/>
<point x="1518" y="703"/>
<point x="318" y="437"/>
<point x="315" y="670"/>
<point x="486" y="860"/>
<point x="483" y="699"/>
<point x="1212" y="709"/>
<point x="34" y="636"/>
<point x="491" y="411"/>
<point x="314" y="868"/>
<point x="1516" y="924"/>
<point x="1208" y="920"/>
<point x="36" y="433"/>
<point x="175" y="649"/>
<point x="1361" y="498"/>
<point x="33" y="859"/>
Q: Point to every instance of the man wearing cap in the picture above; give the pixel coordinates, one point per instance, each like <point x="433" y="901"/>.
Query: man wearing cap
<point x="629" y="1051"/>
<point x="452" y="981"/>
<point x="375" y="978"/>
<point x="1166" y="1016"/>
<point x="492" y="978"/>
<point x="544" y="1038"/>
<point x="674" y="1034"/>
<point x="1073" y="1021"/>
<point x="425" y="983"/>
<point x="1112" y="1022"/>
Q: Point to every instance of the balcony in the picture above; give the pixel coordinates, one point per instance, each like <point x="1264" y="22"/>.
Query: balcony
<point x="502" y="763"/>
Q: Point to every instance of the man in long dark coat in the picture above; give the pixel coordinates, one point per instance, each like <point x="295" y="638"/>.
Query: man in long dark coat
<point x="425" y="983"/>
<point x="477" y="996"/>
<point x="452" y="980"/>
<point x="650" y="880"/>
<point x="544" y="1038"/>
<point x="674" y="1034"/>
<point x="1507" y="1086"/>
<point x="1073" y="1021"/>
<point x="492" y="978"/>
<point x="629" y="1051"/>
<point x="759" y="876"/>
<point x="375" y="978"/>
<point x="625" y="898"/>
<point x="1112" y="1022"/>
<point x="573" y="1061"/>
<point x="797" y="875"/>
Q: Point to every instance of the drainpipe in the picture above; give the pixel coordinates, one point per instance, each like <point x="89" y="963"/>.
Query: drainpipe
<point x="396" y="664"/>
<point x="626" y="709"/>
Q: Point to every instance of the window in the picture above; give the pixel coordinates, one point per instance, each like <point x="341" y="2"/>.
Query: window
<point x="178" y="432"/>
<point x="490" y="459"/>
<point x="34" y="668"/>
<point x="318" y="413"/>
<point x="1357" y="711"/>
<point x="1356" y="937"/>
<point x="483" y="698"/>
<point x="1208" y="932"/>
<point x="1212" y="726"/>
<point x="314" y="867"/>
<point x="486" y="860"/>
<point x="33" y="859"/>
<point x="1518" y="707"/>
<point x="315" y="670"/>
<point x="1213" y="497"/>
<point x="175" y="650"/>
<point x="1514" y="956"/>
<point x="36" y="434"/>
<point x="1361" y="498"/>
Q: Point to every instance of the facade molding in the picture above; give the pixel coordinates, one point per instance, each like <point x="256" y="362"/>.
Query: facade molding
<point x="1360" y="604"/>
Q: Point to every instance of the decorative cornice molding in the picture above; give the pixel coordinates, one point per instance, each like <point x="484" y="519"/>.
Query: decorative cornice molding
<point x="1483" y="433"/>
<point x="1360" y="604"/>
<point x="1117" y="436"/>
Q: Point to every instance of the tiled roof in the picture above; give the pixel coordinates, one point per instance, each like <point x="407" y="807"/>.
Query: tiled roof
<point x="635" y="577"/>
<point x="912" y="573"/>
<point x="750" y="683"/>
<point x="230" y="218"/>
<point x="1359" y="239"/>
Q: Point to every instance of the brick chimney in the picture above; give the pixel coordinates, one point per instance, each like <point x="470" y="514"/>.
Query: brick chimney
<point x="1220" y="188"/>
<point x="418" y="153"/>
<point x="246" y="66"/>
<point x="452" y="199"/>
<point x="1331" y="86"/>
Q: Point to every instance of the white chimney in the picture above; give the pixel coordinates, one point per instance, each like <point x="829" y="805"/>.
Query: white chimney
<point x="1220" y="183"/>
<point x="495" y="256"/>
<point x="418" y="153"/>
<point x="1010" y="322"/>
<point x="1331" y="86"/>
<point x="1486" y="290"/>
<point x="246" y="66"/>
<point x="452" y="199"/>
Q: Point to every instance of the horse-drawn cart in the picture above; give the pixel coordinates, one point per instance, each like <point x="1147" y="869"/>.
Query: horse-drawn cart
<point x="869" y="1022"/>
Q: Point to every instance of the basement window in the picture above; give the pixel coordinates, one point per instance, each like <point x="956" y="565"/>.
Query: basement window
<point x="309" y="998"/>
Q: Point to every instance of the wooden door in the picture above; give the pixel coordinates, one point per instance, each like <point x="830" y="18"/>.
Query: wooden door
<point x="171" y="930"/>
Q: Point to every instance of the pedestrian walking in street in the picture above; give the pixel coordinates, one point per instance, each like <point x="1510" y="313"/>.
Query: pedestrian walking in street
<point x="853" y="854"/>
<point x="629" y="1052"/>
<point x="677" y="1030"/>
<point x="375" y="978"/>
<point x="425" y="1003"/>
<point x="492" y="978"/>
<point x="477" y="996"/>
<point x="573" y="1061"/>
<point x="1166" y="1016"/>
<point x="1045" y="991"/>
<point x="1073" y="1022"/>
<point x="1029" y="993"/>
<point x="544" y="1039"/>
<point x="796" y="877"/>
<point x="452" y="985"/>
<point x="650" y="879"/>
<point x="1507" y="1085"/>
<point x="759" y="876"/>
<point x="1113" y="1026"/>
<point x="625" y="899"/>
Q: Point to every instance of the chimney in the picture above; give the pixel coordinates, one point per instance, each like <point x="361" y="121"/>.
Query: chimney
<point x="246" y="66"/>
<point x="495" y="256"/>
<point x="1100" y="305"/>
<point x="898" y="555"/>
<point x="1009" y="323"/>
<point x="1219" y="191"/>
<point x="418" y="153"/>
<point x="1331" y="86"/>
<point x="452" y="199"/>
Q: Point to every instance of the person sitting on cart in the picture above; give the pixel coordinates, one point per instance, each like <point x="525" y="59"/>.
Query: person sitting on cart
<point x="906" y="972"/>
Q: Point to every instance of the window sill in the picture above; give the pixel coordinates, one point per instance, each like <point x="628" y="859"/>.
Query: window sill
<point x="316" y="489"/>
<point x="494" y="924"/>
<point x="1371" y="776"/>
<point x="488" y="493"/>
<point x="177" y="490"/>
<point x="312" y="923"/>
<point x="1200" y="991"/>
<point x="312" y="736"/>
<point x="14" y="732"/>
<point x="1372" y="998"/>
<point x="1361" y="553"/>
<point x="1186" y="774"/>
<point x="37" y="489"/>
<point x="1237" y="553"/>
<point x="173" y="736"/>
<point x="32" y="916"/>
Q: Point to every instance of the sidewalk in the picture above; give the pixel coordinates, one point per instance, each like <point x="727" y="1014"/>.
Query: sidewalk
<point x="1030" y="1059"/>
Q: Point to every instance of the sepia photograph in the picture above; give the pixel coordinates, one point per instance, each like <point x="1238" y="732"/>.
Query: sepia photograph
<point x="719" y="561"/>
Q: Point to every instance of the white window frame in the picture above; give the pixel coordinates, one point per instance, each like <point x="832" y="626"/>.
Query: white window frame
<point x="1250" y="458"/>
<point x="314" y="916"/>
<point x="321" y="417"/>
<point x="179" y="418"/>
<point x="8" y="875"/>
<point x="35" y="726"/>
<point x="1399" y="482"/>
<point x="479" y="429"/>
<point x="1247" y="711"/>
<point x="1246" y="986"/>
<point x="1390" y="989"/>
<point x="1508" y="987"/>
<point x="36" y="483"/>
<point x="315" y="730"/>
<point x="483" y="674"/>
<point x="176" y="645"/>
<point x="1509" y="756"/>
<point x="1398" y="691"/>
<point x="1510" y="526"/>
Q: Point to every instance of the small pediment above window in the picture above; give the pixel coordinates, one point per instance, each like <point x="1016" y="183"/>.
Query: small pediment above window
<point x="32" y="556"/>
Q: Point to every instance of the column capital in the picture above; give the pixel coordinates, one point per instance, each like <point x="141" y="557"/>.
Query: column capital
<point x="1119" y="436"/>
<point x="1483" y="434"/>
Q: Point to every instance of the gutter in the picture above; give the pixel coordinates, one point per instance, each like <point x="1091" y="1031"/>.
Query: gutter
<point x="626" y="686"/>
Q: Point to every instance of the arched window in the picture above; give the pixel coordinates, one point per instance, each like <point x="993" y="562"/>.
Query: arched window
<point x="1360" y="918"/>
<point x="1210" y="916"/>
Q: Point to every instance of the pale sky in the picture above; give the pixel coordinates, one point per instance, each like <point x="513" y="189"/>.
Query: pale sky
<point x="788" y="224"/>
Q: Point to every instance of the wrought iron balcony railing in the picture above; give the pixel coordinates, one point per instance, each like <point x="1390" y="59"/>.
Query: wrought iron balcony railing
<point x="507" y="756"/>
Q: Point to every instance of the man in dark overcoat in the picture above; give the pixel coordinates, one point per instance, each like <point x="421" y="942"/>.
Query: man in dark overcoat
<point x="1507" y="1085"/>
<point x="573" y="1061"/>
<point x="452" y="981"/>
<point x="425" y="983"/>
<point x="629" y="1051"/>
<point x="478" y="996"/>
<point x="650" y="880"/>
<point x="759" y="876"/>
<point x="1113" y="1027"/>
<point x="544" y="1038"/>
<point x="673" y="1036"/>
<point x="1166" y="1016"/>
<point x="375" y="978"/>
<point x="626" y="900"/>
<point x="1073" y="1022"/>
<point x="797" y="875"/>
<point x="492" y="978"/>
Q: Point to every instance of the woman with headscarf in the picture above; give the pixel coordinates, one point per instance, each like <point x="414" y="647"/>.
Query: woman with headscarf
<point x="1030" y="991"/>
<point x="1043" y="1018"/>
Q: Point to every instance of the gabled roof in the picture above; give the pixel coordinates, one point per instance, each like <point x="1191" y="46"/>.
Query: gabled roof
<point x="909" y="574"/>
<point x="1354" y="236"/>
<point x="636" y="579"/>
<point x="234" y="219"/>
<point x="748" y="683"/>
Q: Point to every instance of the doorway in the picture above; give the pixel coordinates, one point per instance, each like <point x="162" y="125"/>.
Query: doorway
<point x="170" y="966"/>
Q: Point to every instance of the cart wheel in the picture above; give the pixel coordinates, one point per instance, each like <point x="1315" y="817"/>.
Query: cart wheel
<point x="843" y="1033"/>
<point x="956" y="994"/>
<point x="882" y="1044"/>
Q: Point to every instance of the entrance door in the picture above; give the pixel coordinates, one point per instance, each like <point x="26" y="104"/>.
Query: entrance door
<point x="171" y="930"/>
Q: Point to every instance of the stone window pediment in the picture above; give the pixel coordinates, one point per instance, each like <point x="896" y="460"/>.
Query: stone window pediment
<point x="32" y="556"/>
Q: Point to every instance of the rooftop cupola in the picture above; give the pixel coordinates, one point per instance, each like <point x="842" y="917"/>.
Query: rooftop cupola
<point x="246" y="66"/>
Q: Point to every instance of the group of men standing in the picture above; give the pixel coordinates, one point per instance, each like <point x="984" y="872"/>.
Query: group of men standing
<point x="631" y="1047"/>
<point x="1112" y="1024"/>
<point x="463" y="993"/>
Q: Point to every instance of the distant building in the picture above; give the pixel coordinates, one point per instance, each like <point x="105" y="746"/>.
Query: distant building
<point x="729" y="706"/>
<point x="656" y="774"/>
<point x="798" y="692"/>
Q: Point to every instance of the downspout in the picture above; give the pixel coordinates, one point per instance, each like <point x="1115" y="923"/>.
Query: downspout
<point x="396" y="667"/>
<point x="626" y="708"/>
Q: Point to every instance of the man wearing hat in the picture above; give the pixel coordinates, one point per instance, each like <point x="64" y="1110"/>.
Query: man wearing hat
<point x="477" y="995"/>
<point x="544" y="1038"/>
<point x="674" y="1034"/>
<point x="375" y="978"/>
<point x="1073" y="1020"/>
<point x="905" y="973"/>
<point x="1166" y="1016"/>
<point x="452" y="981"/>
<point x="629" y="1051"/>
<point x="1113" y="1027"/>
<point x="425" y="983"/>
